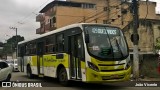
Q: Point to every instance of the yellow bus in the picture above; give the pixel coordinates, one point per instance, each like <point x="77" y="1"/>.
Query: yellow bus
<point x="92" y="53"/>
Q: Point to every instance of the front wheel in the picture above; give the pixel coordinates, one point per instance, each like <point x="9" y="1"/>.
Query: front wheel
<point x="62" y="77"/>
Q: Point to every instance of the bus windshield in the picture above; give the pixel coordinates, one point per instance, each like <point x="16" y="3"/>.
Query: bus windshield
<point x="106" y="43"/>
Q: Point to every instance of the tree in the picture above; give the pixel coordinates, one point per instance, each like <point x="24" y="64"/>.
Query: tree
<point x="11" y="44"/>
<point x="157" y="46"/>
<point x="1" y="49"/>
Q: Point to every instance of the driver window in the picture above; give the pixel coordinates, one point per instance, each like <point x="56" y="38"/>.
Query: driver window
<point x="3" y="65"/>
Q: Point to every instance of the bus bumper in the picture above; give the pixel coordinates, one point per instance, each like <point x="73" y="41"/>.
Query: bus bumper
<point x="102" y="77"/>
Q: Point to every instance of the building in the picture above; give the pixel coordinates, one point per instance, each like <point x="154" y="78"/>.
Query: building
<point x="115" y="12"/>
<point x="148" y="29"/>
<point x="60" y="13"/>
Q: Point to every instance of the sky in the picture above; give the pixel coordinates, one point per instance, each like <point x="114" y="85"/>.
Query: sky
<point x="22" y="15"/>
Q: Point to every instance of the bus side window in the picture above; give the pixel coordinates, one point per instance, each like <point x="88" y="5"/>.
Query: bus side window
<point x="60" y="43"/>
<point x="26" y="49"/>
<point x="21" y="52"/>
<point x="50" y="44"/>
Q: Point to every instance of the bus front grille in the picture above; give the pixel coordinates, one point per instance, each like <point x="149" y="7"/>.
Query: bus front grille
<point x="112" y="77"/>
<point x="112" y="70"/>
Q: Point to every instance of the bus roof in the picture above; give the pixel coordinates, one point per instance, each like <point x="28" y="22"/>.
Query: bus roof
<point x="59" y="30"/>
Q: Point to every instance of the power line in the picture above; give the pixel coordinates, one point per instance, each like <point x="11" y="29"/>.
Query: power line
<point x="30" y="14"/>
<point x="110" y="14"/>
<point x="84" y="19"/>
<point x="114" y="13"/>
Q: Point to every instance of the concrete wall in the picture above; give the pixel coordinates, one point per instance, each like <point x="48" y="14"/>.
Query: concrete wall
<point x="70" y="15"/>
<point x="151" y="14"/>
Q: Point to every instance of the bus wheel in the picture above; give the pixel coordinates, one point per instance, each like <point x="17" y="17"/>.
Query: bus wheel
<point x="62" y="77"/>
<point x="29" y="72"/>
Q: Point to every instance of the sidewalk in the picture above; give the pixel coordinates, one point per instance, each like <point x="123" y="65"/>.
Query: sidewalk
<point x="150" y="79"/>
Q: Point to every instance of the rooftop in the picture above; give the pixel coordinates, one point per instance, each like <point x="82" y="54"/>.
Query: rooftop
<point x="63" y="3"/>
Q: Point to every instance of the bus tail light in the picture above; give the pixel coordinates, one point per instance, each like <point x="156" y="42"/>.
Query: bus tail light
<point x="93" y="66"/>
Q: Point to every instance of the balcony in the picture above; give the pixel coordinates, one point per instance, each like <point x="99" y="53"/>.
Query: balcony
<point x="53" y="28"/>
<point x="40" y="18"/>
<point x="40" y="31"/>
<point x="49" y="27"/>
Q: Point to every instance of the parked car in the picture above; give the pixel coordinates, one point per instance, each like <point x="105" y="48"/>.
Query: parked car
<point x="9" y="62"/>
<point x="5" y="71"/>
<point x="13" y="63"/>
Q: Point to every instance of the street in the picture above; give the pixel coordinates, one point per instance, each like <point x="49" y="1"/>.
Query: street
<point x="54" y="84"/>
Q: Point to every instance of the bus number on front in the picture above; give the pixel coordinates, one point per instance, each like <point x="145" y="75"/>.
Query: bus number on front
<point x="103" y="31"/>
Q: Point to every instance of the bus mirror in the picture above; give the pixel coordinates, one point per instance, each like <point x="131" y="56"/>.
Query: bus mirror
<point x="87" y="38"/>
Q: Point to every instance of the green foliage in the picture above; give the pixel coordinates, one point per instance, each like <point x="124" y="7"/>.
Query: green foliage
<point x="157" y="45"/>
<point x="11" y="44"/>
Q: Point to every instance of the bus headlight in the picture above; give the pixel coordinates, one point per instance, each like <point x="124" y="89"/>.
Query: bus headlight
<point x="128" y="65"/>
<point x="93" y="66"/>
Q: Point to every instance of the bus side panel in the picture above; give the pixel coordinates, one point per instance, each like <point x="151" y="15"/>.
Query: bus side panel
<point x="26" y="62"/>
<point x="83" y="71"/>
<point x="20" y="64"/>
<point x="51" y="63"/>
<point x="33" y="64"/>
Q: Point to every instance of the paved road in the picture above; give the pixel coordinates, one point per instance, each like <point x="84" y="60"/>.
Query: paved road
<point x="54" y="85"/>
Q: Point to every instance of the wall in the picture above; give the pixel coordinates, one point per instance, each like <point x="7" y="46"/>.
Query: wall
<point x="70" y="15"/>
<point x="151" y="14"/>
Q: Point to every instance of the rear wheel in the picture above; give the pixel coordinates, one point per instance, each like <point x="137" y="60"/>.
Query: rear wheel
<point x="62" y="76"/>
<point x="29" y="72"/>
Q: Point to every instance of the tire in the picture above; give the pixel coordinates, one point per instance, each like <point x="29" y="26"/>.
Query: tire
<point x="8" y="78"/>
<point x="62" y="77"/>
<point x="29" y="72"/>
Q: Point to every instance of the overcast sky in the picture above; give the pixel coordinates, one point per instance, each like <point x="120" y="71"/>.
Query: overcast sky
<point x="22" y="14"/>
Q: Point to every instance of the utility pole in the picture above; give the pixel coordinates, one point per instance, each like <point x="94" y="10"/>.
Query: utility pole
<point x="15" y="29"/>
<point x="108" y="9"/>
<point x="135" y="39"/>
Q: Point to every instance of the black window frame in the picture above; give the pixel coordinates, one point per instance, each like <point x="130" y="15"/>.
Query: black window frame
<point x="60" y="43"/>
<point x="50" y="42"/>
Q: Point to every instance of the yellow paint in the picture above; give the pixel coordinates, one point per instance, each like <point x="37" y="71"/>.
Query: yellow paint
<point x="51" y="61"/>
<point x="33" y="61"/>
<point x="83" y="65"/>
<point x="91" y="75"/>
<point x="96" y="77"/>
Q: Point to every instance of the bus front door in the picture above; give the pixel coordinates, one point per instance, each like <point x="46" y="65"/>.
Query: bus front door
<point x="75" y="61"/>
<point x="40" y="50"/>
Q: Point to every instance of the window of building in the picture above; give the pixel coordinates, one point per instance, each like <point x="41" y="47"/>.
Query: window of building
<point x="42" y="25"/>
<point x="105" y="8"/>
<point x="52" y="21"/>
<point x="105" y="22"/>
<point x="85" y="5"/>
<point x="48" y="20"/>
